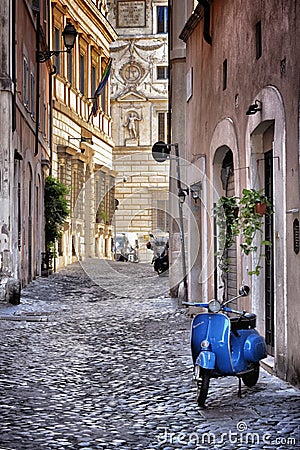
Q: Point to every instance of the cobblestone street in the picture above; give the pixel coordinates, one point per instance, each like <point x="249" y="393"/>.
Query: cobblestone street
<point x="99" y="359"/>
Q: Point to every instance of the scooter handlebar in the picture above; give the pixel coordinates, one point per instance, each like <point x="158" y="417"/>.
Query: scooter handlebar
<point x="203" y="305"/>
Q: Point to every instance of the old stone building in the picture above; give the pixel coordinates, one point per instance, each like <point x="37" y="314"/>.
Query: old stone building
<point x="139" y="105"/>
<point x="24" y="142"/>
<point x="82" y="142"/>
<point x="242" y="132"/>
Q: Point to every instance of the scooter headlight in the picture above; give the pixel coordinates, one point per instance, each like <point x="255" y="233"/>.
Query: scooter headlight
<point x="214" y="306"/>
<point x="204" y="344"/>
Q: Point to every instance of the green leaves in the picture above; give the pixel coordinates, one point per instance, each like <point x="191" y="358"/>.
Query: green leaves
<point x="238" y="216"/>
<point x="56" y="210"/>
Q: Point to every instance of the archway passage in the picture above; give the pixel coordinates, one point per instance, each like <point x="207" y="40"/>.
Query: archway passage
<point x="230" y="277"/>
<point x="225" y="184"/>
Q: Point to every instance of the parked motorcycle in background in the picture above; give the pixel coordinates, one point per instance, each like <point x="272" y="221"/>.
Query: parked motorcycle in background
<point x="160" y="248"/>
<point x="225" y="346"/>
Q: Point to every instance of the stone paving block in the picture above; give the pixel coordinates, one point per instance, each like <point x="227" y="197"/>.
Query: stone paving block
<point x="111" y="368"/>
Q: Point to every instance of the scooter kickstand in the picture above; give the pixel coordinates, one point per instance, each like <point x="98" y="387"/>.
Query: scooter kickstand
<point x="240" y="388"/>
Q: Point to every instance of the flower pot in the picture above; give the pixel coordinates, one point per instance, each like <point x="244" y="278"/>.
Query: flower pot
<point x="260" y="208"/>
<point x="236" y="212"/>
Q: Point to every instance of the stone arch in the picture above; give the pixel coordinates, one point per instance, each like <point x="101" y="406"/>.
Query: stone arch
<point x="224" y="148"/>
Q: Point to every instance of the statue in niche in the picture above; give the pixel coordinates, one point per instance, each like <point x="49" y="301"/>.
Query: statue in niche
<point x="130" y="124"/>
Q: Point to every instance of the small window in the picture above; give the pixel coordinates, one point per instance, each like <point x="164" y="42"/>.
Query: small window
<point x="162" y="73"/>
<point x="224" y="74"/>
<point x="82" y="74"/>
<point x="32" y="96"/>
<point x="25" y="82"/>
<point x="104" y="99"/>
<point x="162" y="19"/>
<point x="258" y="38"/>
<point x="44" y="119"/>
<point x="162" y="119"/>
<point x="70" y="67"/>
<point x="94" y="76"/>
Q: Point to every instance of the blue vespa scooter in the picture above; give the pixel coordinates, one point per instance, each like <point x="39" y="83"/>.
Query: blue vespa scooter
<point x="223" y="346"/>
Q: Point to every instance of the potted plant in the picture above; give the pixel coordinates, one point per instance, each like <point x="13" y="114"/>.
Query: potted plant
<point x="242" y="216"/>
<point x="253" y="206"/>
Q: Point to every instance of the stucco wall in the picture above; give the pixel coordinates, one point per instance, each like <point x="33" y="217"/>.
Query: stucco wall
<point x="274" y="80"/>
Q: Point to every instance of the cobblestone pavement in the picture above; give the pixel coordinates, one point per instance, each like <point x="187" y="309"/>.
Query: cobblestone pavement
<point x="83" y="368"/>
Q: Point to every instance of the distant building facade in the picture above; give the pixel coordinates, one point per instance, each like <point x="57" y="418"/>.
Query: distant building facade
<point x="242" y="131"/>
<point x="82" y="141"/>
<point x="139" y="105"/>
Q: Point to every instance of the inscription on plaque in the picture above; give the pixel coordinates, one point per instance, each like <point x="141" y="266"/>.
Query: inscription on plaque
<point x="131" y="14"/>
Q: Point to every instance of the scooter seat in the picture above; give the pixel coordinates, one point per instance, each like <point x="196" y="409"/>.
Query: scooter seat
<point x="244" y="322"/>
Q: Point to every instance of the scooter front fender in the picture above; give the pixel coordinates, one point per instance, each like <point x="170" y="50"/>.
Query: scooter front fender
<point x="206" y="359"/>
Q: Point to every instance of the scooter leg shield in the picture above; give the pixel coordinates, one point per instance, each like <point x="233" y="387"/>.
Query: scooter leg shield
<point x="206" y="360"/>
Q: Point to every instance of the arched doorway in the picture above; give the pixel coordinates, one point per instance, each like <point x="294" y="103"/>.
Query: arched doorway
<point x="29" y="197"/>
<point x="225" y="186"/>
<point x="262" y="140"/>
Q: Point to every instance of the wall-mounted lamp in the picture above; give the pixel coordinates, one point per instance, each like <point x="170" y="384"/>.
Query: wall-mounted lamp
<point x="69" y="36"/>
<point x="195" y="190"/>
<point x="182" y="194"/>
<point x="254" y="108"/>
<point x="17" y="155"/>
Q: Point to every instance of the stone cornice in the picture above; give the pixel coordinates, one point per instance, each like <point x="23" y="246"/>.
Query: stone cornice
<point x="192" y="22"/>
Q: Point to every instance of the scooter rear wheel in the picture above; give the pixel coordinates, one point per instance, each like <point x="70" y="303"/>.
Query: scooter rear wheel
<point x="203" y="385"/>
<point x="250" y="379"/>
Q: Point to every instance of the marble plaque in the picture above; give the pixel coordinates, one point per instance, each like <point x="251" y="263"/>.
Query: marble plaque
<point x="131" y="14"/>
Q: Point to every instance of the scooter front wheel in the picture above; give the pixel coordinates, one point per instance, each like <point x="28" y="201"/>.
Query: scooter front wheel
<point x="203" y="385"/>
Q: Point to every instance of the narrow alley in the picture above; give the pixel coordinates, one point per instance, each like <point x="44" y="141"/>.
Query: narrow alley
<point x="99" y="359"/>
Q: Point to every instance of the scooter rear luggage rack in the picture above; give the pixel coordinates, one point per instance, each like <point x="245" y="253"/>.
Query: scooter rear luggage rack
<point x="244" y="322"/>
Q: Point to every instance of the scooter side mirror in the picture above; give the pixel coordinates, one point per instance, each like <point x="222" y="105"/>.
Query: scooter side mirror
<point x="244" y="290"/>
